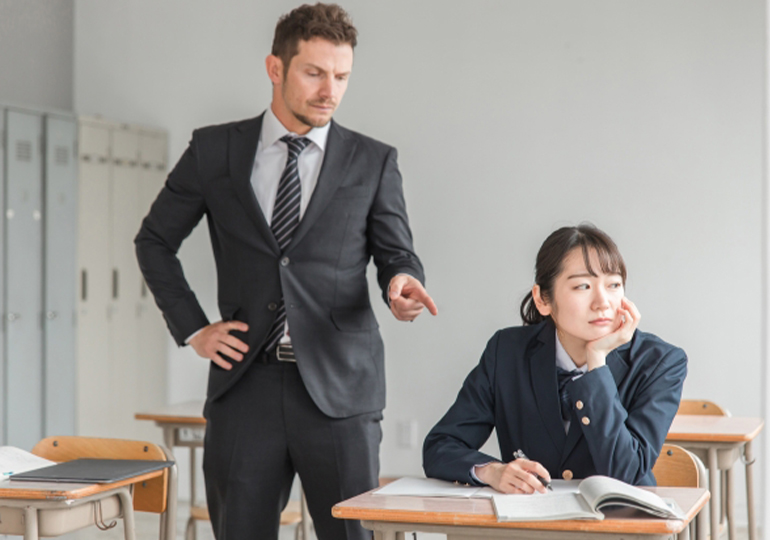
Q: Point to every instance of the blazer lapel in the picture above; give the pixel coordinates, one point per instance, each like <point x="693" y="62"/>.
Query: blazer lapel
<point x="243" y="149"/>
<point x="337" y="156"/>
<point x="543" y="372"/>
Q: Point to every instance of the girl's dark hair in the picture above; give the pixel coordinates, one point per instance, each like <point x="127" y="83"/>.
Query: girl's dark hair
<point x="550" y="262"/>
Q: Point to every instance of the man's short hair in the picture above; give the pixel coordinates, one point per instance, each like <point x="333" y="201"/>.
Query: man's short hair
<point x="326" y="21"/>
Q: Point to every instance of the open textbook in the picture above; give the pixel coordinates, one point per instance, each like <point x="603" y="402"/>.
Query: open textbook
<point x="15" y="460"/>
<point x="573" y="499"/>
<point x="593" y="494"/>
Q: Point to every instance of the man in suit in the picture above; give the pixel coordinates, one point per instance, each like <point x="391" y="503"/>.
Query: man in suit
<point x="296" y="205"/>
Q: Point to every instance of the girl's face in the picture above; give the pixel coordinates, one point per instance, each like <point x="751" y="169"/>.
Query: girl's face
<point x="584" y="307"/>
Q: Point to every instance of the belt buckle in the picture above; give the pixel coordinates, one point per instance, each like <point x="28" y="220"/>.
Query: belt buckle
<point x="285" y="353"/>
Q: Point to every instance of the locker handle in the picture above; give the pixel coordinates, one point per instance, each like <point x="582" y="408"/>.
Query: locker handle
<point x="84" y="285"/>
<point x="13" y="317"/>
<point x="51" y="315"/>
<point x="114" y="283"/>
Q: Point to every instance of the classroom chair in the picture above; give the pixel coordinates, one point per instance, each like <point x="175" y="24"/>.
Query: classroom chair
<point x="158" y="495"/>
<point x="705" y="407"/>
<point x="678" y="467"/>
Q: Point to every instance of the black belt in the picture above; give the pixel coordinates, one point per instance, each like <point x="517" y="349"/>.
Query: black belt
<point x="282" y="353"/>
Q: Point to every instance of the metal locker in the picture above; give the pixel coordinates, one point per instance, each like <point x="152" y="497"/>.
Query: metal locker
<point x="94" y="309"/>
<point x="126" y="278"/>
<point x="60" y="271"/>
<point x="154" y="342"/>
<point x="24" y="279"/>
<point x="3" y="143"/>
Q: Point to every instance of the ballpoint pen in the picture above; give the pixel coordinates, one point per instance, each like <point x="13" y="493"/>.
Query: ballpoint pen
<point x="518" y="454"/>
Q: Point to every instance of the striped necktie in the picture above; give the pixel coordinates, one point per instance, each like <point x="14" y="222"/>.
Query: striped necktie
<point x="285" y="220"/>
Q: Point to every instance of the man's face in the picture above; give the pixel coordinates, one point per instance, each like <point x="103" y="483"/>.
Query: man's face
<point x="313" y="86"/>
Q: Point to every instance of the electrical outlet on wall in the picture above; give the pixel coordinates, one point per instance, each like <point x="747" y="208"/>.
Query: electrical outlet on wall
<point x="407" y="434"/>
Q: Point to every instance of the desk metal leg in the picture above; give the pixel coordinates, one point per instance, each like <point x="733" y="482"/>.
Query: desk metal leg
<point x="714" y="503"/>
<point x="700" y="525"/>
<point x="127" y="505"/>
<point x="30" y="523"/>
<point x="191" y="528"/>
<point x="729" y="492"/>
<point x="748" y="455"/>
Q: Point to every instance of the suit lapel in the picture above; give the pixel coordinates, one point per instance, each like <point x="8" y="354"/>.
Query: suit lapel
<point x="337" y="156"/>
<point x="543" y="372"/>
<point x="243" y="149"/>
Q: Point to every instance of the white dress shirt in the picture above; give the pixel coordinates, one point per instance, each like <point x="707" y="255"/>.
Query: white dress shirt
<point x="270" y="162"/>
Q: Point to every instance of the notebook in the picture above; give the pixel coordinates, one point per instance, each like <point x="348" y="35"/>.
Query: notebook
<point x="92" y="471"/>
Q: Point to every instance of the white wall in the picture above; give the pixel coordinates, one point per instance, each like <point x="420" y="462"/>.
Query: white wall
<point x="36" y="53"/>
<point x="512" y="118"/>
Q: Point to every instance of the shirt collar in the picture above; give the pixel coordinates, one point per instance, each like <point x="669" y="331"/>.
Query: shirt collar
<point x="273" y="130"/>
<point x="564" y="361"/>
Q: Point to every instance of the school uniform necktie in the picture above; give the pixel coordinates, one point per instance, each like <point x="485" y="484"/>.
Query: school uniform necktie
<point x="285" y="220"/>
<point x="565" y="377"/>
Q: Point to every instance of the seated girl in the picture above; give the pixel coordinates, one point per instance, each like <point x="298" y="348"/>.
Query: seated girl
<point x="578" y="389"/>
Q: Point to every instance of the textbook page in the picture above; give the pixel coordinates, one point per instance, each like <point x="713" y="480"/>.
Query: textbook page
<point x="602" y="491"/>
<point x="15" y="460"/>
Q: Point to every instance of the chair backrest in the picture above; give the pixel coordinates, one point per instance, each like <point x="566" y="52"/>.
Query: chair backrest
<point x="702" y="407"/>
<point x="149" y="496"/>
<point x="676" y="467"/>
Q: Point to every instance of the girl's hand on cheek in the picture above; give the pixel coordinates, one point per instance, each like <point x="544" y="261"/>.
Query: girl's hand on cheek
<point x="627" y="321"/>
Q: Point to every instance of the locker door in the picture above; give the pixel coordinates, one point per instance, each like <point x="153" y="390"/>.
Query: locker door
<point x="24" y="249"/>
<point x="3" y="142"/>
<point x="93" y="342"/>
<point x="126" y="286"/>
<point x="60" y="271"/>
<point x="152" y="360"/>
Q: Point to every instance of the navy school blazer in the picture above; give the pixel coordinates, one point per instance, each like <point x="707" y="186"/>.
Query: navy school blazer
<point x="625" y="410"/>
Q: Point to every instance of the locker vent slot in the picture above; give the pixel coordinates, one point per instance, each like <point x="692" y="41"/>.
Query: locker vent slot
<point x="61" y="155"/>
<point x="24" y="150"/>
<point x="83" y="285"/>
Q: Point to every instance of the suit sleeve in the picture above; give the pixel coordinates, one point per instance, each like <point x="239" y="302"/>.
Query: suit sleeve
<point x="174" y="214"/>
<point x="388" y="232"/>
<point x="451" y="449"/>
<point x="625" y="443"/>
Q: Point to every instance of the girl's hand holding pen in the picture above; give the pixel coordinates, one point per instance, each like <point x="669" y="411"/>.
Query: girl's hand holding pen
<point x="518" y="476"/>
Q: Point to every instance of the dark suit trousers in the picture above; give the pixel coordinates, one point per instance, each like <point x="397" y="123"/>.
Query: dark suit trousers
<point x="262" y="431"/>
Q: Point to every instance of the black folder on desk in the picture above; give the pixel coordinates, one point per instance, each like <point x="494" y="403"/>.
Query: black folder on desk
<point x="92" y="471"/>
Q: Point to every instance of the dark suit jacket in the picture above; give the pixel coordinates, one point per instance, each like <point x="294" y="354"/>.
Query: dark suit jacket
<point x="629" y="404"/>
<point x="357" y="211"/>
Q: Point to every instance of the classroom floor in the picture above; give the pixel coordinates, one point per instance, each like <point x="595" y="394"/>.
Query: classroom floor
<point x="147" y="529"/>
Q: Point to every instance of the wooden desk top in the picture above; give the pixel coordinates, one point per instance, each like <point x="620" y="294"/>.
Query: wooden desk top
<point x="53" y="491"/>
<point x="702" y="428"/>
<point x="190" y="412"/>
<point x="480" y="513"/>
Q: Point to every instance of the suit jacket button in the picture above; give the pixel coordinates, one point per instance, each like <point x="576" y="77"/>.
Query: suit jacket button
<point x="567" y="474"/>
<point x="272" y="306"/>
<point x="585" y="420"/>
<point x="579" y="405"/>
<point x="285" y="261"/>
